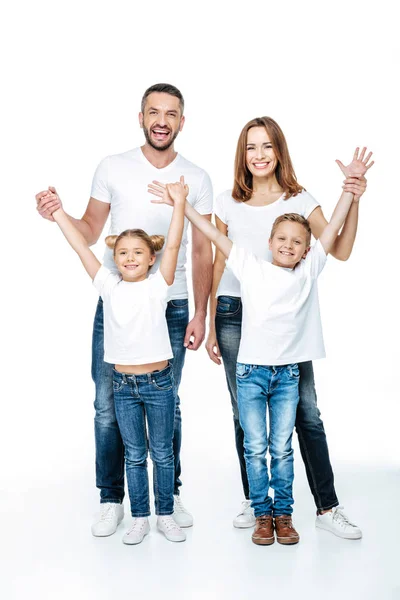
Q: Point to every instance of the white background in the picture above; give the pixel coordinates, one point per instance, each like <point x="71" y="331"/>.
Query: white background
<point x="73" y="76"/>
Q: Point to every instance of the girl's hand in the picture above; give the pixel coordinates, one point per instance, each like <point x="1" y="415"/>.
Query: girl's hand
<point x="47" y="203"/>
<point x="168" y="193"/>
<point x="358" y="166"/>
<point x="178" y="191"/>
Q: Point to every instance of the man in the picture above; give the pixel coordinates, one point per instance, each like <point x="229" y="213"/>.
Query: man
<point x="120" y="188"/>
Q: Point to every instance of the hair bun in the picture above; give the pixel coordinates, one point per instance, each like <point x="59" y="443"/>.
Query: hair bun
<point x="110" y="241"/>
<point x="157" y="241"/>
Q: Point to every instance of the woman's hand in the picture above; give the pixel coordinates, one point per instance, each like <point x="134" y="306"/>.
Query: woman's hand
<point x="212" y="347"/>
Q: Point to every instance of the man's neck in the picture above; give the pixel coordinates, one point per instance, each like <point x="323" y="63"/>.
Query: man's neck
<point x="159" y="158"/>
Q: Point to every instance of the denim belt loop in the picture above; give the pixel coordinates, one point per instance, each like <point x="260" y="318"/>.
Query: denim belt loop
<point x="124" y="378"/>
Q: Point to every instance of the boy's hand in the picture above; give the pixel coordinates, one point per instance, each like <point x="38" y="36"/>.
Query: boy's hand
<point x="168" y="193"/>
<point x="47" y="203"/>
<point x="358" y="166"/>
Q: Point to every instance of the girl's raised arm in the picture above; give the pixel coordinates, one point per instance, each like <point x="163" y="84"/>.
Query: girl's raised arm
<point x="175" y="194"/>
<point x="210" y="231"/>
<point x="77" y="242"/>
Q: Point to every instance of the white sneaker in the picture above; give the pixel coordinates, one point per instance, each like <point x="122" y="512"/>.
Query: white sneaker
<point x="337" y="523"/>
<point x="181" y="516"/>
<point x="135" y="534"/>
<point x="111" y="515"/>
<point x="246" y="516"/>
<point x="170" y="529"/>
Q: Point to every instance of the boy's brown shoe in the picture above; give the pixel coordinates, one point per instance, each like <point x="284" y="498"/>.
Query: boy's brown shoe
<point x="263" y="534"/>
<point x="285" y="532"/>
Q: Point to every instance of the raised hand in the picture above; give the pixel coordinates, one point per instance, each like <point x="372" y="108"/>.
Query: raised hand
<point x="168" y="193"/>
<point x="48" y="202"/>
<point x="358" y="166"/>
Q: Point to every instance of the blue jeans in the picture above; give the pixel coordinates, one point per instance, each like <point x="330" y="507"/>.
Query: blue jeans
<point x="109" y="446"/>
<point x="309" y="426"/>
<point x="139" y="398"/>
<point x="277" y="388"/>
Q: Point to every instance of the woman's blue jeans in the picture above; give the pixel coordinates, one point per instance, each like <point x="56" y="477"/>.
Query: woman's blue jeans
<point x="139" y="399"/>
<point x="309" y="426"/>
<point x="108" y="441"/>
<point x="277" y="389"/>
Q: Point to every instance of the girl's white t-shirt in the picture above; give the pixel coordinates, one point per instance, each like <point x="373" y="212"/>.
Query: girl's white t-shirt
<point x="281" y="318"/>
<point x="122" y="179"/>
<point x="250" y="227"/>
<point x="135" y="327"/>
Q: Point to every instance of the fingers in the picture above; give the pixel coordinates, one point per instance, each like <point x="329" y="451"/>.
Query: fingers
<point x="214" y="352"/>
<point x="194" y="335"/>
<point x="363" y="151"/>
<point x="370" y="165"/>
<point x="341" y="165"/>
<point x="355" y="155"/>
<point x="367" y="158"/>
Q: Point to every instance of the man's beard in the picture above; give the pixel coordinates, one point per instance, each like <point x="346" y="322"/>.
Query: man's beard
<point x="153" y="145"/>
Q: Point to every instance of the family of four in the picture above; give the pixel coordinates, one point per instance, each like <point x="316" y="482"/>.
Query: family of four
<point x="264" y="318"/>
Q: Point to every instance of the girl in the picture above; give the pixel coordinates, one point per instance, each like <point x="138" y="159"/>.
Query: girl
<point x="281" y="327"/>
<point x="266" y="187"/>
<point x="137" y="343"/>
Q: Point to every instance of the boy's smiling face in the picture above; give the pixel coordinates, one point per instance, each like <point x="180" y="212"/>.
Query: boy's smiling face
<point x="289" y="244"/>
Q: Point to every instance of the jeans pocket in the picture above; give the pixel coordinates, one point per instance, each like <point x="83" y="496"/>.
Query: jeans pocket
<point x="164" y="381"/>
<point x="227" y="306"/>
<point x="243" y="370"/>
<point x="294" y="372"/>
<point x="117" y="386"/>
<point x="179" y="302"/>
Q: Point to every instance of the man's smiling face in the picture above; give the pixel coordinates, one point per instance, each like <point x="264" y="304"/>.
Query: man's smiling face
<point x="161" y="120"/>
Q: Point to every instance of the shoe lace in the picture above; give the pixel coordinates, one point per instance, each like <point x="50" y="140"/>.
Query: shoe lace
<point x="107" y="512"/>
<point x="286" y="520"/>
<point x="264" y="520"/>
<point x="169" y="523"/>
<point x="137" y="526"/>
<point x="340" y="517"/>
<point x="178" y="505"/>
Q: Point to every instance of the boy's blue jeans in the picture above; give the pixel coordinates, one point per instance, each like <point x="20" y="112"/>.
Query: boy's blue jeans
<point x="109" y="446"/>
<point x="277" y="389"/>
<point x="309" y="426"/>
<point x="139" y="399"/>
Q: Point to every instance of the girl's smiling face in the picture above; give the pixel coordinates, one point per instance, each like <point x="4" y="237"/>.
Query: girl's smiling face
<point x="133" y="258"/>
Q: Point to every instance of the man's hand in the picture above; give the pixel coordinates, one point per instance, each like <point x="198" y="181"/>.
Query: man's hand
<point x="48" y="202"/>
<point x="212" y="347"/>
<point x="196" y="329"/>
<point x="356" y="169"/>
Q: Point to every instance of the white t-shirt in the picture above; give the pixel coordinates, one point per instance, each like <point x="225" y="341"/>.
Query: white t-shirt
<point x="135" y="327"/>
<point x="122" y="181"/>
<point x="250" y="227"/>
<point x="281" y="319"/>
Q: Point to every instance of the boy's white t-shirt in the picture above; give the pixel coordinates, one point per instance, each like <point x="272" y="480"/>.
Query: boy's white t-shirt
<point x="122" y="179"/>
<point x="135" y="327"/>
<point x="250" y="227"/>
<point x="281" y="318"/>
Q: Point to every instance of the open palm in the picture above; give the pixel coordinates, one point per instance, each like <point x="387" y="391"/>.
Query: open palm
<point x="358" y="166"/>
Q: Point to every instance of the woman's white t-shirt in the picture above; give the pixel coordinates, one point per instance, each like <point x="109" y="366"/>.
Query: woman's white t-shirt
<point x="281" y="318"/>
<point x="250" y="227"/>
<point x="135" y="327"/>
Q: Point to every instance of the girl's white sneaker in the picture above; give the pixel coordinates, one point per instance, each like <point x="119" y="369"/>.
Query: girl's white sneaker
<point x="170" y="529"/>
<point x="135" y="534"/>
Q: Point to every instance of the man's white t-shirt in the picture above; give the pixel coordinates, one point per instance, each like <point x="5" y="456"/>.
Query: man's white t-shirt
<point x="122" y="179"/>
<point x="250" y="227"/>
<point x="135" y="327"/>
<point x="281" y="318"/>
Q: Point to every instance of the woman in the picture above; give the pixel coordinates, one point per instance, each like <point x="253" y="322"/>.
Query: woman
<point x="265" y="187"/>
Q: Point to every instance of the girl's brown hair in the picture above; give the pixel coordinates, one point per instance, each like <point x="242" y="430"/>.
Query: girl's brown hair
<point x="284" y="172"/>
<point x="153" y="242"/>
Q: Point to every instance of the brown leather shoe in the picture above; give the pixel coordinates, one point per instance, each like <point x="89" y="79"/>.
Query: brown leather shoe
<point x="285" y="532"/>
<point x="263" y="534"/>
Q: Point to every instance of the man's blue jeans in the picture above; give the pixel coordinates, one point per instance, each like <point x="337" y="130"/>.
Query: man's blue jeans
<point x="275" y="388"/>
<point x="109" y="446"/>
<point x="139" y="399"/>
<point x="309" y="426"/>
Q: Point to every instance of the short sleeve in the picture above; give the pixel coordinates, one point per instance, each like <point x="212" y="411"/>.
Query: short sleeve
<point x="204" y="201"/>
<point x="100" y="190"/>
<point x="105" y="280"/>
<point x="158" y="287"/>
<point x="219" y="209"/>
<point x="309" y="204"/>
<point x="316" y="259"/>
<point x="242" y="262"/>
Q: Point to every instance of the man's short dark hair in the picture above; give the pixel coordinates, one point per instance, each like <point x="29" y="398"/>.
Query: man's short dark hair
<point x="164" y="88"/>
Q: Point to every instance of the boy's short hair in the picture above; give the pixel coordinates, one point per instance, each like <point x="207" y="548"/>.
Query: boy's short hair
<point x="294" y="218"/>
<point x="164" y="88"/>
